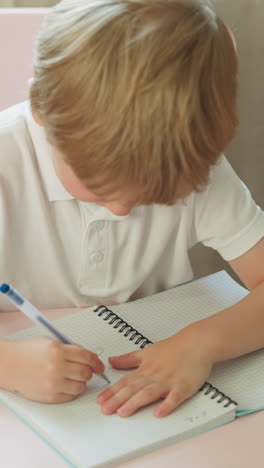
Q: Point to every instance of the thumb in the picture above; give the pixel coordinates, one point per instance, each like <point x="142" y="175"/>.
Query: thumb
<point x="126" y="361"/>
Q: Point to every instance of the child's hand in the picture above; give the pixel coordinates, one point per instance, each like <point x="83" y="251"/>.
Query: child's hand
<point x="172" y="370"/>
<point x="48" y="371"/>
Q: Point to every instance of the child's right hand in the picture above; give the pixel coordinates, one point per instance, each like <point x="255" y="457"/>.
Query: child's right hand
<point x="45" y="370"/>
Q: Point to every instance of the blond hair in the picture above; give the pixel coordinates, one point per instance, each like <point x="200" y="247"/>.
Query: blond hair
<point x="137" y="93"/>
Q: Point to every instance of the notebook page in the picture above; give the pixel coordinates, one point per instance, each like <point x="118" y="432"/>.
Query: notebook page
<point x="88" y="439"/>
<point x="77" y="429"/>
<point x="163" y="314"/>
<point x="166" y="313"/>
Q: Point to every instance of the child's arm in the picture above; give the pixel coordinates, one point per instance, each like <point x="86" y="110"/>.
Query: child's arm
<point x="240" y="329"/>
<point x="175" y="368"/>
<point x="44" y="370"/>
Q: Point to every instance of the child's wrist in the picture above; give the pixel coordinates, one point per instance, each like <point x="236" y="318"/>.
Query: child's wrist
<point x="207" y="338"/>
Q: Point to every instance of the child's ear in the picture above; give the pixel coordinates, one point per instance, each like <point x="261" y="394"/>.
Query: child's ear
<point x="37" y="118"/>
<point x="34" y="113"/>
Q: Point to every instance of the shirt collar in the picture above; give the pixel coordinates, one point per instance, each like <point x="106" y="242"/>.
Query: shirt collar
<point x="54" y="188"/>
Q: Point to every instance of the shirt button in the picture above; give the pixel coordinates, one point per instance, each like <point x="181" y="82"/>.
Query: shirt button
<point x="99" y="225"/>
<point x="96" y="257"/>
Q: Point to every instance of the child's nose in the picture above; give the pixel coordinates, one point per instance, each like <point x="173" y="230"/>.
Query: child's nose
<point x="117" y="209"/>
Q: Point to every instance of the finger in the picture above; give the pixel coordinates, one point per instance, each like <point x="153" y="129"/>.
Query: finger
<point x="73" y="387"/>
<point x="145" y="396"/>
<point x="76" y="353"/>
<point x="76" y="371"/>
<point x="172" y="401"/>
<point x="111" y="391"/>
<point x="126" y="393"/>
<point x="58" y="398"/>
<point x="126" y="361"/>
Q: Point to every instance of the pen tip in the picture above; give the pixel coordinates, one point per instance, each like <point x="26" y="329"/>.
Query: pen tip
<point x="107" y="379"/>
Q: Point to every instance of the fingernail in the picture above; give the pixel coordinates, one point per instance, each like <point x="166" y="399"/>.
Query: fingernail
<point x="159" y="412"/>
<point x="107" y="408"/>
<point x="123" y="411"/>
<point x="101" y="398"/>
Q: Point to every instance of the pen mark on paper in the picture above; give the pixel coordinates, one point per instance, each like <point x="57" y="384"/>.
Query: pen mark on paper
<point x="197" y="417"/>
<point x="99" y="351"/>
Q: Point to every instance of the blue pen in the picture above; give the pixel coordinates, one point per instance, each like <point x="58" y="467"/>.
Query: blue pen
<point x="36" y="316"/>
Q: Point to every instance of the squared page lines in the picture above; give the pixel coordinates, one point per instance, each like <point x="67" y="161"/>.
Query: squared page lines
<point x="77" y="427"/>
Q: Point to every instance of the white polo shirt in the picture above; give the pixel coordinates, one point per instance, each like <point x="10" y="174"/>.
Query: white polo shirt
<point x="60" y="252"/>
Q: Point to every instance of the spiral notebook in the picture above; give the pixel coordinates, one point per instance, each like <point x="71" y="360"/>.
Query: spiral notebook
<point x="86" y="438"/>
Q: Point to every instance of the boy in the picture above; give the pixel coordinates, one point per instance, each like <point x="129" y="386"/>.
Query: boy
<point x="109" y="176"/>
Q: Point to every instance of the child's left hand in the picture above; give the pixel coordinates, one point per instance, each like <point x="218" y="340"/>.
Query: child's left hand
<point x="172" y="370"/>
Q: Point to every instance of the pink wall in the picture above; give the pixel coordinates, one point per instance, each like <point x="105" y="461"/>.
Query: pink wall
<point x="18" y="29"/>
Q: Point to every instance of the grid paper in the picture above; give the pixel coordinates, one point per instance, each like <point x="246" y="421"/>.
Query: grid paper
<point x="77" y="429"/>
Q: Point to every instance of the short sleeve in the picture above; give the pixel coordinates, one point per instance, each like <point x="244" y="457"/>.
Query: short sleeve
<point x="226" y="218"/>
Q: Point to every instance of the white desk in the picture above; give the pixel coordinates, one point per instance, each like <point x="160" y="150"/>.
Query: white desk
<point x="235" y="445"/>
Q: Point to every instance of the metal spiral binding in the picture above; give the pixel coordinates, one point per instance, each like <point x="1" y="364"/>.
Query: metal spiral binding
<point x="215" y="394"/>
<point x="133" y="335"/>
<point x="122" y="326"/>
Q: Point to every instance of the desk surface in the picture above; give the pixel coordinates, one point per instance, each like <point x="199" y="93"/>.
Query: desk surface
<point x="235" y="445"/>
